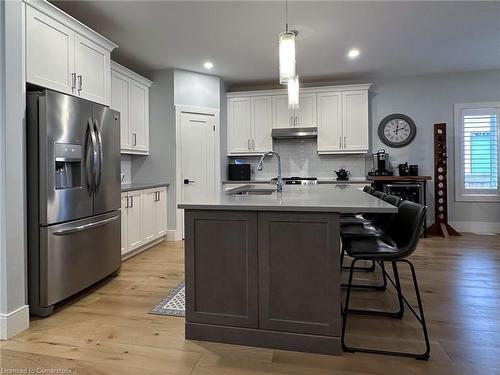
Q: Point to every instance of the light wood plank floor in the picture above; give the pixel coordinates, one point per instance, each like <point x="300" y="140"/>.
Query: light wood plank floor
<point x="109" y="330"/>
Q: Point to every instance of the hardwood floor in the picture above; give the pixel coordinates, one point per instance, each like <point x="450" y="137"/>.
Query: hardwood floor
<point x="109" y="330"/>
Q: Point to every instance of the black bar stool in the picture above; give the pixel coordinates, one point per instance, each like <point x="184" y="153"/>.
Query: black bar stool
<point x="395" y="245"/>
<point x="361" y="220"/>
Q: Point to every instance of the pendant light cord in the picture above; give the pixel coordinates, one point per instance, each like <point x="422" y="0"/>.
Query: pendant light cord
<point x="286" y="15"/>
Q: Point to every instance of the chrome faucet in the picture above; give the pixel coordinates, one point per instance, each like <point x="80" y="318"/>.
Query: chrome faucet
<point x="279" y="181"/>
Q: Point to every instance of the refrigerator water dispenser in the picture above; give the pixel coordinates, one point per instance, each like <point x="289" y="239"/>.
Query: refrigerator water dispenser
<point x="68" y="164"/>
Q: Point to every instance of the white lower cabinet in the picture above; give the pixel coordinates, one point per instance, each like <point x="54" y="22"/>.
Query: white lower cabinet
<point x="144" y="217"/>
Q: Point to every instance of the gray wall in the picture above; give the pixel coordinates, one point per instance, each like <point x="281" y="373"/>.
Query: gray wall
<point x="159" y="165"/>
<point x="429" y="100"/>
<point x="12" y="171"/>
<point x="171" y="87"/>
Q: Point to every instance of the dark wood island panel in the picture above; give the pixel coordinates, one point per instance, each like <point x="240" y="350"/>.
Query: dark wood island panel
<point x="269" y="279"/>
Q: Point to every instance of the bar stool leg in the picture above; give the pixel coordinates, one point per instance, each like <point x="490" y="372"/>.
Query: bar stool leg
<point x="401" y="311"/>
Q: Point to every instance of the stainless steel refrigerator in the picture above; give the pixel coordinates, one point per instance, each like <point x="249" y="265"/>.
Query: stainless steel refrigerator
<point x="73" y="165"/>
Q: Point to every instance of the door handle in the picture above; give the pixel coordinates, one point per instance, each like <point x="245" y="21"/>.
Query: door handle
<point x="134" y="139"/>
<point x="159" y="195"/>
<point x="126" y="204"/>
<point x="90" y="174"/>
<point x="340" y="142"/>
<point x="100" y="153"/>
<point x="188" y="181"/>
<point x="253" y="144"/>
<point x="345" y="142"/>
<point x="131" y="201"/>
<point x="73" y="81"/>
<point x="80" y="82"/>
<point x="248" y="144"/>
<point x="79" y="228"/>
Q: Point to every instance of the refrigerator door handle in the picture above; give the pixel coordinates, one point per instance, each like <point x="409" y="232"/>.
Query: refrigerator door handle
<point x="100" y="153"/>
<point x="90" y="173"/>
<point x="79" y="228"/>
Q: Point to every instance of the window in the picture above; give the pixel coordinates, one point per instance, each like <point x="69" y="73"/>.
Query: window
<point x="476" y="151"/>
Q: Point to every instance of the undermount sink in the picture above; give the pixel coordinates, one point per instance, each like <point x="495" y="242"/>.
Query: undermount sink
<point x="254" y="192"/>
<point x="250" y="190"/>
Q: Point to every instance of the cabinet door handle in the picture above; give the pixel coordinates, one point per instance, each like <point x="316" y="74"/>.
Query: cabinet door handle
<point x="80" y="82"/>
<point x="253" y="144"/>
<point x="159" y="195"/>
<point x="340" y="142"/>
<point x="345" y="142"/>
<point x="248" y="144"/>
<point x="73" y="81"/>
<point x="291" y="120"/>
<point x="156" y="197"/>
<point x="134" y="139"/>
<point x="126" y="204"/>
<point x="131" y="202"/>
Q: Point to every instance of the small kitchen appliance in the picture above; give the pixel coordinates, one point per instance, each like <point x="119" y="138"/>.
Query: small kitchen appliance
<point x="380" y="164"/>
<point x="414" y="170"/>
<point x="239" y="172"/>
<point x="404" y="170"/>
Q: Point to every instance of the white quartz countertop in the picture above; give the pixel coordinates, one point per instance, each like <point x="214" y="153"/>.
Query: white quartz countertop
<point x="313" y="198"/>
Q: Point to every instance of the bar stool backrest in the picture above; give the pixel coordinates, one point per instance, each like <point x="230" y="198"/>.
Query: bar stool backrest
<point x="393" y="199"/>
<point x="406" y="227"/>
<point x="378" y="194"/>
<point x="368" y="189"/>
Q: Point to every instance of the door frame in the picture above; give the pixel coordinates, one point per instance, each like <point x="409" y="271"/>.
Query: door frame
<point x="179" y="110"/>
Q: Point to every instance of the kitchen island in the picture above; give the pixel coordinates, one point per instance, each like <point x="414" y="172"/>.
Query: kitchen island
<point x="262" y="268"/>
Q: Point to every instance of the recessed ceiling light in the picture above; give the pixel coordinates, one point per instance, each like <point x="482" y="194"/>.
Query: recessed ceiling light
<point x="353" y="53"/>
<point x="208" y="65"/>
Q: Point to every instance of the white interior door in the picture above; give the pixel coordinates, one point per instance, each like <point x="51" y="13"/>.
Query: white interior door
<point x="198" y="177"/>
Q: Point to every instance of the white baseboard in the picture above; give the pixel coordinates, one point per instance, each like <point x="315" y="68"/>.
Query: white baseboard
<point x="15" y="322"/>
<point x="174" y="235"/>
<point x="476" y="226"/>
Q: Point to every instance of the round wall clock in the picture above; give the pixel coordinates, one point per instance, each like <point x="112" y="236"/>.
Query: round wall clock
<point x="397" y="130"/>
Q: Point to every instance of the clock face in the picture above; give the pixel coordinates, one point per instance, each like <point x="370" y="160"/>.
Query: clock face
<point x="397" y="130"/>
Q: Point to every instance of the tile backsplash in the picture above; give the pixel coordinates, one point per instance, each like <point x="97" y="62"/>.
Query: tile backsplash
<point x="300" y="158"/>
<point x="126" y="168"/>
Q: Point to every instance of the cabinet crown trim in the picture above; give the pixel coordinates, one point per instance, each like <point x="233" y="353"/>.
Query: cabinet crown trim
<point x="64" y="18"/>
<point x="305" y="90"/>
<point x="130" y="74"/>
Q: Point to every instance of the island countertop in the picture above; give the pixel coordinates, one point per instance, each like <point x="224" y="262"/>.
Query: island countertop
<point x="314" y="198"/>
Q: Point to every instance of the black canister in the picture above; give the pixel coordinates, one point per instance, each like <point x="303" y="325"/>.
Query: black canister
<point x="414" y="170"/>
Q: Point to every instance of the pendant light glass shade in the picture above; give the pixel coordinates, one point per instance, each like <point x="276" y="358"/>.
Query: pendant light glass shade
<point x="293" y="92"/>
<point x="287" y="56"/>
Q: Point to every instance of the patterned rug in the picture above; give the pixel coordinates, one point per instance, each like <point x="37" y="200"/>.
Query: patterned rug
<point x="174" y="304"/>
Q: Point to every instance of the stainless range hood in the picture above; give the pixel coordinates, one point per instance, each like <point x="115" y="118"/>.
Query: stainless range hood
<point x="287" y="133"/>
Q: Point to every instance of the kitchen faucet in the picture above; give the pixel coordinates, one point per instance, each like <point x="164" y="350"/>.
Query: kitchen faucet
<point x="279" y="182"/>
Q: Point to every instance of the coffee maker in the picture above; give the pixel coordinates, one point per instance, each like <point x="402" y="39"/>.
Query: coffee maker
<point x="380" y="164"/>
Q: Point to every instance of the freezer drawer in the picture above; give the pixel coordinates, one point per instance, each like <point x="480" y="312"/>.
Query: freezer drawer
<point x="77" y="254"/>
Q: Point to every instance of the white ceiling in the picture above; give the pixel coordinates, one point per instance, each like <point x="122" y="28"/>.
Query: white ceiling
<point x="240" y="37"/>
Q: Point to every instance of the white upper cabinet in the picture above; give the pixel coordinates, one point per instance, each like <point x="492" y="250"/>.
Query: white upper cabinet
<point x="307" y="111"/>
<point x="120" y="99"/>
<point x="130" y="97"/>
<point x="304" y="117"/>
<point x="261" y="124"/>
<point x="93" y="71"/>
<point x="249" y="125"/>
<point x="282" y="118"/>
<point x="329" y="121"/>
<point x="355" y="120"/>
<point x="239" y="121"/>
<point x="64" y="55"/>
<point x="50" y="52"/>
<point x="339" y="112"/>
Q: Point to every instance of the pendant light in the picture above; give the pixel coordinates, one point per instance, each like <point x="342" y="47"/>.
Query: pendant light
<point x="286" y="51"/>
<point x="293" y="93"/>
